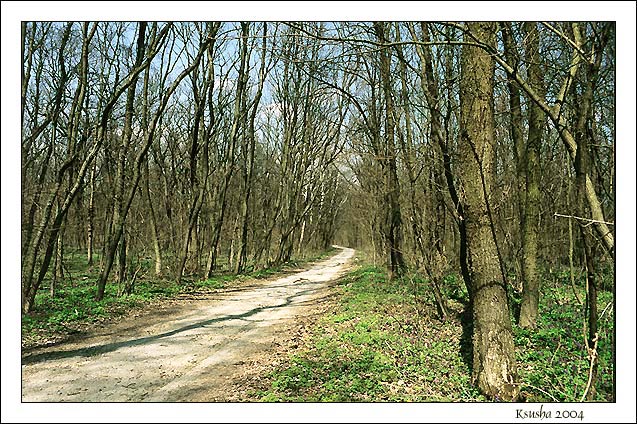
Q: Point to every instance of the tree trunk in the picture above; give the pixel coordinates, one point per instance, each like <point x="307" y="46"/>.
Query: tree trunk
<point x="237" y="122"/>
<point x="512" y="55"/>
<point x="118" y="204"/>
<point x="248" y="170"/>
<point x="582" y="170"/>
<point x="121" y="259"/>
<point x="393" y="230"/>
<point x="406" y="143"/>
<point x="90" y="231"/>
<point x="58" y="264"/>
<point x="197" y="184"/>
<point x="581" y="165"/>
<point x="31" y="249"/>
<point x="559" y="122"/>
<point x="494" y="366"/>
<point x="153" y="225"/>
<point x="218" y="224"/>
<point x="530" y="223"/>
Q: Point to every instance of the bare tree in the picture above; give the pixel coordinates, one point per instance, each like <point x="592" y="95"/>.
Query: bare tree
<point x="198" y="184"/>
<point x="139" y="160"/>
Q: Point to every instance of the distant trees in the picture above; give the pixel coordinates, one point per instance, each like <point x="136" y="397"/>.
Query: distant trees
<point x="168" y="122"/>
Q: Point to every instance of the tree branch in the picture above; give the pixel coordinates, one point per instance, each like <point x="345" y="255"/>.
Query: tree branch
<point x="590" y="221"/>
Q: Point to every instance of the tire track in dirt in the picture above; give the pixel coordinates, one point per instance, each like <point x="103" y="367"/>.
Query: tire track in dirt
<point x="182" y="355"/>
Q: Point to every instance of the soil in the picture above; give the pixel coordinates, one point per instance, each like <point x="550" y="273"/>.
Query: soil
<point x="214" y="347"/>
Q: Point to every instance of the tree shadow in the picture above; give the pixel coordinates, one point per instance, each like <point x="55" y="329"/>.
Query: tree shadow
<point x="466" y="340"/>
<point x="110" y="347"/>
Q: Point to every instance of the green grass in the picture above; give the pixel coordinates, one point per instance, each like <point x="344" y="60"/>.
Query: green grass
<point x="554" y="358"/>
<point x="74" y="302"/>
<point x="382" y="341"/>
<point x="372" y="347"/>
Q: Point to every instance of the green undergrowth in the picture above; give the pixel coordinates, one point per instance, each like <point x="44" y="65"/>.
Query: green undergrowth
<point x="378" y="344"/>
<point x="553" y="362"/>
<point x="383" y="341"/>
<point x="73" y="306"/>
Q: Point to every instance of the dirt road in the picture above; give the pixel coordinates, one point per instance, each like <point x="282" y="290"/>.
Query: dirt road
<point x="185" y="352"/>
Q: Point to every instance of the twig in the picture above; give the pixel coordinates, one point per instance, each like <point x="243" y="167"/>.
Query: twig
<point x="538" y="389"/>
<point x="559" y="344"/>
<point x="590" y="221"/>
<point x="592" y="353"/>
<point x="568" y="40"/>
<point x="605" y="309"/>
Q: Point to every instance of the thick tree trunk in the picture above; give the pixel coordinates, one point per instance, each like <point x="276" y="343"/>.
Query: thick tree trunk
<point x="494" y="366"/>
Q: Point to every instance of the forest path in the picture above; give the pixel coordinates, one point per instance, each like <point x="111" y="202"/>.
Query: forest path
<point x="187" y="352"/>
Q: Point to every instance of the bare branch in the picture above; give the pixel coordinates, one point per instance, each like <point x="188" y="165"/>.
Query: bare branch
<point x="590" y="221"/>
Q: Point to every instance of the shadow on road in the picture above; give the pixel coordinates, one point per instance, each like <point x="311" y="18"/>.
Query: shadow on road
<point x="110" y="347"/>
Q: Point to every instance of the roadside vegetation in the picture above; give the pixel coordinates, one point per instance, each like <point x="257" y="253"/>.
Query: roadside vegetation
<point x="383" y="341"/>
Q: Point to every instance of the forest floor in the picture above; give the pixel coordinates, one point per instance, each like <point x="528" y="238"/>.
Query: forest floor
<point x="200" y="347"/>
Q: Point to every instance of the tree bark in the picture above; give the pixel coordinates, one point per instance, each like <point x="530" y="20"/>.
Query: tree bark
<point x="153" y="225"/>
<point x="90" y="230"/>
<point x="512" y="55"/>
<point x="31" y="250"/>
<point x="237" y="121"/>
<point x="242" y="251"/>
<point x="583" y="164"/>
<point x="563" y="129"/>
<point x="197" y="184"/>
<point x="118" y="204"/>
<point x="406" y="144"/>
<point x="494" y="366"/>
<point x="149" y="197"/>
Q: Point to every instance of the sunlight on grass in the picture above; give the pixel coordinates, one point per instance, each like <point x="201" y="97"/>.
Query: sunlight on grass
<point x="374" y="346"/>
